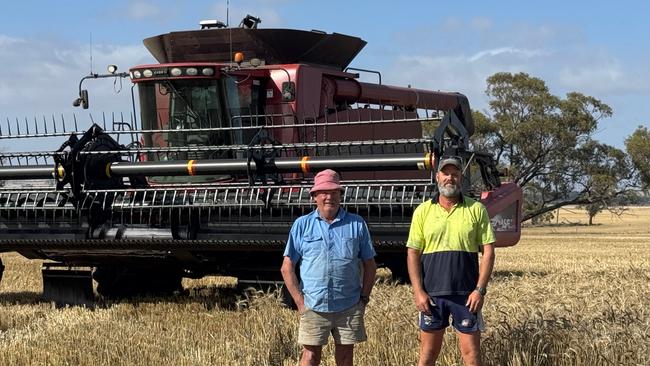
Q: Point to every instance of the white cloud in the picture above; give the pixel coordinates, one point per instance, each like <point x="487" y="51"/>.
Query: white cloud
<point x="481" y="23"/>
<point x="451" y="25"/>
<point x="505" y="51"/>
<point x="592" y="77"/>
<point x="143" y="10"/>
<point x="7" y="41"/>
<point x="464" y="73"/>
<point x="40" y="77"/>
<point x="605" y="75"/>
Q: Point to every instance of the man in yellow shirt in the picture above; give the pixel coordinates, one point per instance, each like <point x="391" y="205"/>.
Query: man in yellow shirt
<point x="445" y="237"/>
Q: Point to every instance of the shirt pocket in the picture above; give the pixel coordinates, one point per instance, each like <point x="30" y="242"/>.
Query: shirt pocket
<point x="349" y="248"/>
<point x="312" y="245"/>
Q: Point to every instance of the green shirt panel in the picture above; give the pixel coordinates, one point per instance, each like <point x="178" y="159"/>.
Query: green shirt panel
<point x="465" y="228"/>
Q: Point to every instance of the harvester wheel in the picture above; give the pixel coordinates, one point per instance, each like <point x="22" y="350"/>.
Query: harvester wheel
<point x="400" y="274"/>
<point x="399" y="271"/>
<point x="121" y="281"/>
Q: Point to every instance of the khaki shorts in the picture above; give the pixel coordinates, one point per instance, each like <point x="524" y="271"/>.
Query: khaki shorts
<point x="346" y="327"/>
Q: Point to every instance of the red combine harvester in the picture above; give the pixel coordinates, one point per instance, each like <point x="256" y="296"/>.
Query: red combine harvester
<point x="234" y="123"/>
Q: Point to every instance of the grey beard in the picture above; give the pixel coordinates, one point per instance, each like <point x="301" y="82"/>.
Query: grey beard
<point x="449" y="191"/>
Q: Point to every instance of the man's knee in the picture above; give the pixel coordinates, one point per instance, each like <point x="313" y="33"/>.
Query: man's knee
<point x="470" y="347"/>
<point x="311" y="355"/>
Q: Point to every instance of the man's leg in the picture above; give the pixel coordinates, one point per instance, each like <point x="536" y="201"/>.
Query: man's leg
<point x="313" y="332"/>
<point x="349" y="329"/>
<point x="311" y="355"/>
<point x="430" y="344"/>
<point x="470" y="347"/>
<point x="344" y="354"/>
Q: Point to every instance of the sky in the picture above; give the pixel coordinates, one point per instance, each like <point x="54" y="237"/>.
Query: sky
<point x="598" y="48"/>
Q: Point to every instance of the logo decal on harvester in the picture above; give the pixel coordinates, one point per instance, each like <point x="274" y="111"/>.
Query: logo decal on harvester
<point x="506" y="219"/>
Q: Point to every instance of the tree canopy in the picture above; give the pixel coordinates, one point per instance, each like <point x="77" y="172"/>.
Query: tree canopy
<point x="638" y="146"/>
<point x="545" y="144"/>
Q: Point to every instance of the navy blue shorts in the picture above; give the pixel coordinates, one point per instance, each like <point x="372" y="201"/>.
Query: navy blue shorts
<point x="442" y="307"/>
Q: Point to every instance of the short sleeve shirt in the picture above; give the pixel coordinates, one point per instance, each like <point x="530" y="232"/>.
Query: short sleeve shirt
<point x="450" y="242"/>
<point x="330" y="258"/>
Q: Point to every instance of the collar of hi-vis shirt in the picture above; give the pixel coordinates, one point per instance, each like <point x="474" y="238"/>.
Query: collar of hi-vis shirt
<point x="435" y="200"/>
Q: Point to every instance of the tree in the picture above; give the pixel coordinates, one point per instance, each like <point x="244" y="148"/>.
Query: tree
<point x="545" y="144"/>
<point x="604" y="172"/>
<point x="638" y="146"/>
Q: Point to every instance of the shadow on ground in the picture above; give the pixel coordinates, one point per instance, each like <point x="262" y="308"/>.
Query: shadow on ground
<point x="21" y="298"/>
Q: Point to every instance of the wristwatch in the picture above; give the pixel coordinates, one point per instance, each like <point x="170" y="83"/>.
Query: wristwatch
<point x="481" y="290"/>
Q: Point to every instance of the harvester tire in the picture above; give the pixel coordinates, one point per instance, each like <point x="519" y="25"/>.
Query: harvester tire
<point x="400" y="273"/>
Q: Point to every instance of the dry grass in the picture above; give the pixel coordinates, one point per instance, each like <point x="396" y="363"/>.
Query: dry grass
<point x="565" y="295"/>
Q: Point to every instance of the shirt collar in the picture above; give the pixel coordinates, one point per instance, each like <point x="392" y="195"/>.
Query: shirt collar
<point x="436" y="198"/>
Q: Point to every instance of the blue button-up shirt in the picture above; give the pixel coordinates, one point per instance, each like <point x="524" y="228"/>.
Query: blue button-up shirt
<point x="330" y="257"/>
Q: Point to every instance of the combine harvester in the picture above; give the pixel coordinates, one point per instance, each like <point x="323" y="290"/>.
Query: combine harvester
<point x="234" y="123"/>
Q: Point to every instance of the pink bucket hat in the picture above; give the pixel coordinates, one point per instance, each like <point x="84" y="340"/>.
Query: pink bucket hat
<point x="326" y="180"/>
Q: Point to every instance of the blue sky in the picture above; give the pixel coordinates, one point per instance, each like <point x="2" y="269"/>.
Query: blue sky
<point x="598" y="48"/>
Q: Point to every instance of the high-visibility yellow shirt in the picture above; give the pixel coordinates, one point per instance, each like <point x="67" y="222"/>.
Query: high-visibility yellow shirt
<point x="450" y="242"/>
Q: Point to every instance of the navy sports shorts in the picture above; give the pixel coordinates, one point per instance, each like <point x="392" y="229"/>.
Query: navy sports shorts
<point x="442" y="307"/>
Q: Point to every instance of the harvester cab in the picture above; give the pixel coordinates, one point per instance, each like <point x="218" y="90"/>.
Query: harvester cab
<point x="233" y="125"/>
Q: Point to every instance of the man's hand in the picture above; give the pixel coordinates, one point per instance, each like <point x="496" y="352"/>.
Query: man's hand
<point x="288" y="271"/>
<point x="422" y="302"/>
<point x="474" y="301"/>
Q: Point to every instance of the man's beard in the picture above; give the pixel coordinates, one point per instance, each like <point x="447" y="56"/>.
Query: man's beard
<point x="449" y="190"/>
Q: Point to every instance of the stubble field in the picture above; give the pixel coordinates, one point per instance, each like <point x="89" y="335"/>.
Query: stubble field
<point x="567" y="294"/>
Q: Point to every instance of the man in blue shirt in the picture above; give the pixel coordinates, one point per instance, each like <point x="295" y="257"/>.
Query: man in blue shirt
<point x="331" y="246"/>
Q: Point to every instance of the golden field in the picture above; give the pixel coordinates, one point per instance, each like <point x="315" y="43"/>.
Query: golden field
<point x="567" y="294"/>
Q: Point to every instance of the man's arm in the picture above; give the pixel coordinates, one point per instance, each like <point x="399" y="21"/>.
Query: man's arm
<point x="288" y="271"/>
<point x="487" y="264"/>
<point x="413" y="261"/>
<point x="475" y="300"/>
<point x="369" y="271"/>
